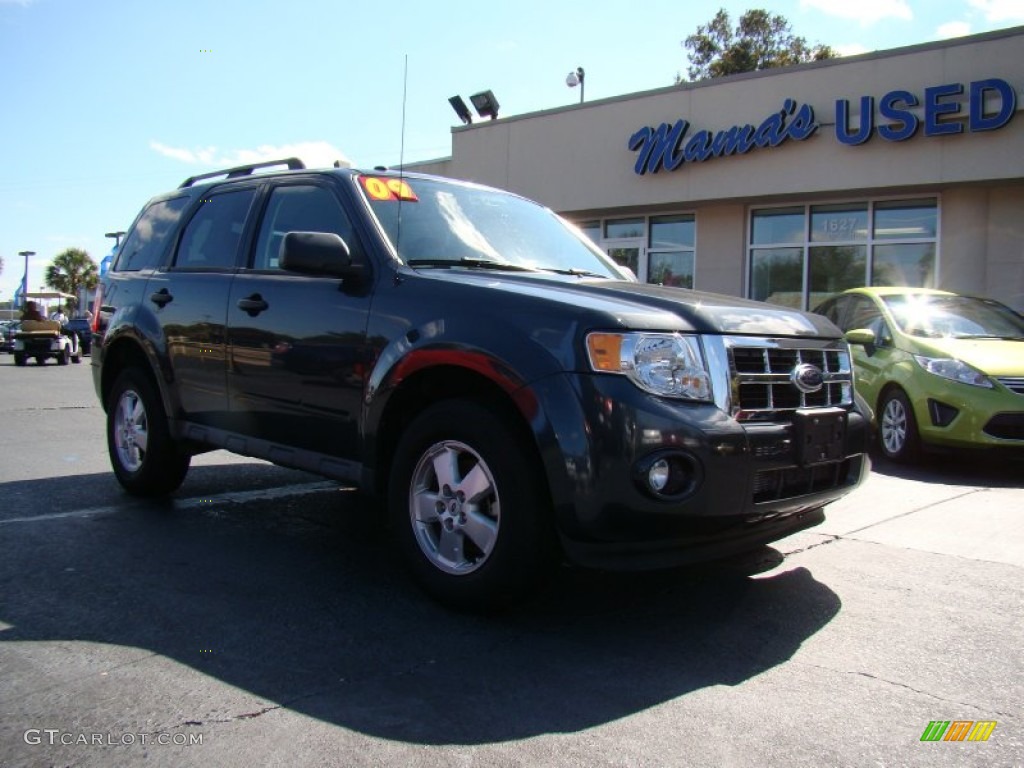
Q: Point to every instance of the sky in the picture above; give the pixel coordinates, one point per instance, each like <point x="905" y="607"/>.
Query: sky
<point x="106" y="103"/>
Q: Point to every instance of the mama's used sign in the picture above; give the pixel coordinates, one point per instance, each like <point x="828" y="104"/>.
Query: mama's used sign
<point x="899" y="115"/>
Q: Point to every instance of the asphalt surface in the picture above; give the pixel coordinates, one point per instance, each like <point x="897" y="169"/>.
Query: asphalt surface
<point x="260" y="618"/>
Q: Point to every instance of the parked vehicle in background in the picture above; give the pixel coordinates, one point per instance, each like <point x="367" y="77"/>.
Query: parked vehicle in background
<point x="7" y="330"/>
<point x="939" y="369"/>
<point x="81" y="326"/>
<point x="469" y="356"/>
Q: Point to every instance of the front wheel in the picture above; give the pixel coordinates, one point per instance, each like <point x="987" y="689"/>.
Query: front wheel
<point x="468" y="507"/>
<point x="19" y="359"/>
<point x="898" y="436"/>
<point x="146" y="460"/>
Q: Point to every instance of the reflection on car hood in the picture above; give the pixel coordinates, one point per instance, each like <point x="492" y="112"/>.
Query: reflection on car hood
<point x="644" y="306"/>
<point x="995" y="357"/>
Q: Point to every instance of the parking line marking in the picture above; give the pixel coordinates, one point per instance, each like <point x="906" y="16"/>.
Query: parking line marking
<point x="230" y="497"/>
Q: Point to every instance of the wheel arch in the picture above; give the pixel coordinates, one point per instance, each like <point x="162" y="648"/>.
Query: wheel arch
<point x="126" y="352"/>
<point x="436" y="384"/>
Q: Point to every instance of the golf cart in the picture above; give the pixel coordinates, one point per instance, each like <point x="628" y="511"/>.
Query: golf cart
<point x="42" y="339"/>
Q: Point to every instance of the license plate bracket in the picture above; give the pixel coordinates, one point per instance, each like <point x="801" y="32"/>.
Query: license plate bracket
<point x="819" y="435"/>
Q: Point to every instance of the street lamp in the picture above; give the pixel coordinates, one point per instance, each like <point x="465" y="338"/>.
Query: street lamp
<point x="576" y="78"/>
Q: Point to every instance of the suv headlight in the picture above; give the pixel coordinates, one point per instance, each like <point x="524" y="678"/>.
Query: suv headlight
<point x="954" y="370"/>
<point x="667" y="364"/>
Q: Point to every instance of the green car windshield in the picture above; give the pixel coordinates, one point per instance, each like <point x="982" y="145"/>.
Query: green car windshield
<point x="958" y="317"/>
<point x="433" y="223"/>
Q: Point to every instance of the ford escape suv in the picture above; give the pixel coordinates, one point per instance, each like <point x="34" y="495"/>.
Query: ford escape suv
<point x="474" y="361"/>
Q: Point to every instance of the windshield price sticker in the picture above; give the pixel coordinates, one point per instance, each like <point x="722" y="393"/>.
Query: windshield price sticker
<point x="388" y="189"/>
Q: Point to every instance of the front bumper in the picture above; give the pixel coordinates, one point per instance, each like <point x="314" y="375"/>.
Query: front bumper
<point x="956" y="415"/>
<point x="748" y="488"/>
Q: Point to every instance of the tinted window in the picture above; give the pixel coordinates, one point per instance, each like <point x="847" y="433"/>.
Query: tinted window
<point x="300" y="208"/>
<point x="146" y="243"/>
<point x="212" y="236"/>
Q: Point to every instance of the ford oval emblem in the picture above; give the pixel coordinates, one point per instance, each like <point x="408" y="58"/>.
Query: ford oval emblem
<point x="807" y="378"/>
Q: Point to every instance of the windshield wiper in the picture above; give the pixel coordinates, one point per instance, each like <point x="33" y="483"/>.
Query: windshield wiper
<point x="474" y="263"/>
<point x="574" y="271"/>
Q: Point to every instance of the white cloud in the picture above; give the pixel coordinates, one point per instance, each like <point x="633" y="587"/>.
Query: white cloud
<point x="953" y="29"/>
<point x="852" y="49"/>
<point x="315" y="154"/>
<point x="866" y="11"/>
<point x="1000" y="10"/>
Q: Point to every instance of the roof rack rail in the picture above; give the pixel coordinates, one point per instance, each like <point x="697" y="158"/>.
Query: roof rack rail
<point x="293" y="163"/>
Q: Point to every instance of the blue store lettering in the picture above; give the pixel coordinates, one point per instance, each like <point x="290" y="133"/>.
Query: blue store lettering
<point x="991" y="105"/>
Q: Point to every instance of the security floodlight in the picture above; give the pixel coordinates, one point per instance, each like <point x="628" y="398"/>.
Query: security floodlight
<point x="485" y="104"/>
<point x="461" y="109"/>
<point x="576" y="78"/>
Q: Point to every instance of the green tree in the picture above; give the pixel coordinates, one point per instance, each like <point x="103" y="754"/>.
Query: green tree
<point x="759" y="41"/>
<point x="71" y="271"/>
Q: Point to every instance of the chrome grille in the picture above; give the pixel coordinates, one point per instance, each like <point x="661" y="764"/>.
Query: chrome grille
<point x="762" y="384"/>
<point x="1012" y="383"/>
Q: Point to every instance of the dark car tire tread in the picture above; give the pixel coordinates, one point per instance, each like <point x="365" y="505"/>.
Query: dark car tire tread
<point x="524" y="548"/>
<point x="162" y="465"/>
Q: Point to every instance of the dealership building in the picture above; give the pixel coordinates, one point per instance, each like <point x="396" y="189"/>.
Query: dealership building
<point x="899" y="167"/>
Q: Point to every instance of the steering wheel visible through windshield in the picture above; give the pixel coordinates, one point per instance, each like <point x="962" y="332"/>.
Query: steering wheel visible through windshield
<point x="435" y="223"/>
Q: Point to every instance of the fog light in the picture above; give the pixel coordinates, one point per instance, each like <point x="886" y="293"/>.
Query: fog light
<point x="668" y="475"/>
<point x="658" y="474"/>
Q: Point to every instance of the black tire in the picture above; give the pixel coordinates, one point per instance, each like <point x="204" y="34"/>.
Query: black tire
<point x="898" y="438"/>
<point x="64" y="356"/>
<point x="477" y="551"/>
<point x="40" y="360"/>
<point x="19" y="359"/>
<point x="146" y="460"/>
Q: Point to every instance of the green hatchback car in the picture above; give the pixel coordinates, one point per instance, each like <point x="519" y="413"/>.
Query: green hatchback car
<point x="940" y="369"/>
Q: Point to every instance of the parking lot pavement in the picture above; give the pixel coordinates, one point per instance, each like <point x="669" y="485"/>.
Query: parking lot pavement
<point x="259" y="618"/>
<point x="967" y="506"/>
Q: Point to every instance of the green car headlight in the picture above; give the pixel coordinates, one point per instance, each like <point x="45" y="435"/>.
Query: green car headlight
<point x="954" y="370"/>
<point x="667" y="364"/>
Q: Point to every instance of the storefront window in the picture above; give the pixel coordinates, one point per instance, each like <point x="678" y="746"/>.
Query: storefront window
<point x="839" y="223"/>
<point x="778" y="276"/>
<point x="591" y="229"/>
<point x="778" y="225"/>
<point x="906" y="220"/>
<point x="618" y="229"/>
<point x="834" y="247"/>
<point x="671" y="250"/>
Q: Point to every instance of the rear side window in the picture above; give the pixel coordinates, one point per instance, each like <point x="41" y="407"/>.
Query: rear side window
<point x="146" y="243"/>
<point x="211" y="238"/>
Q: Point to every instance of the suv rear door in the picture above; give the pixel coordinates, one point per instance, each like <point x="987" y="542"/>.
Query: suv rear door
<point x="297" y="348"/>
<point x="189" y="300"/>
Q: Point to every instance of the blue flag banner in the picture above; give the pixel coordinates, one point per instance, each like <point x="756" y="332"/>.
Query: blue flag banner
<point x="20" y="291"/>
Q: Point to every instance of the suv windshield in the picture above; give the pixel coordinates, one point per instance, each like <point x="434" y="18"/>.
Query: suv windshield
<point x="437" y="224"/>
<point x="958" y="317"/>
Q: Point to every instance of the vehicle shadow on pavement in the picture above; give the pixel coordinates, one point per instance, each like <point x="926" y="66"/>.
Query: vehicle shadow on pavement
<point x="300" y="602"/>
<point x="969" y="468"/>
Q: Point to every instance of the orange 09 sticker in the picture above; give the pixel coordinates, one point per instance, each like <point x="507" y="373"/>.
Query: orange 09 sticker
<point x="388" y="189"/>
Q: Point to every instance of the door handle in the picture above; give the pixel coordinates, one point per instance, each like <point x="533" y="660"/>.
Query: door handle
<point x="161" y="297"/>
<point x="253" y="305"/>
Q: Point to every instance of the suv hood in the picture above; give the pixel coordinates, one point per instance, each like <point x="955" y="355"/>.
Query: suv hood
<point x="643" y="306"/>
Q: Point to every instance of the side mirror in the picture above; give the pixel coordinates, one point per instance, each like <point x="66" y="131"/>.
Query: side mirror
<point x="317" y="253"/>
<point x="861" y="336"/>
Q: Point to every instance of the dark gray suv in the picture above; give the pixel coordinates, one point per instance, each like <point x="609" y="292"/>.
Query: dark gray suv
<point x="465" y="354"/>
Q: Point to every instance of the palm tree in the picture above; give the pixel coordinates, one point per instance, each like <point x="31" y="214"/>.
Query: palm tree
<point x="71" y="271"/>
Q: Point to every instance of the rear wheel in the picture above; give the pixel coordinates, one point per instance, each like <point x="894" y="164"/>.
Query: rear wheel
<point x="897" y="435"/>
<point x="19" y="358"/>
<point x="64" y="356"/>
<point x="146" y="460"/>
<point x="469" y="510"/>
